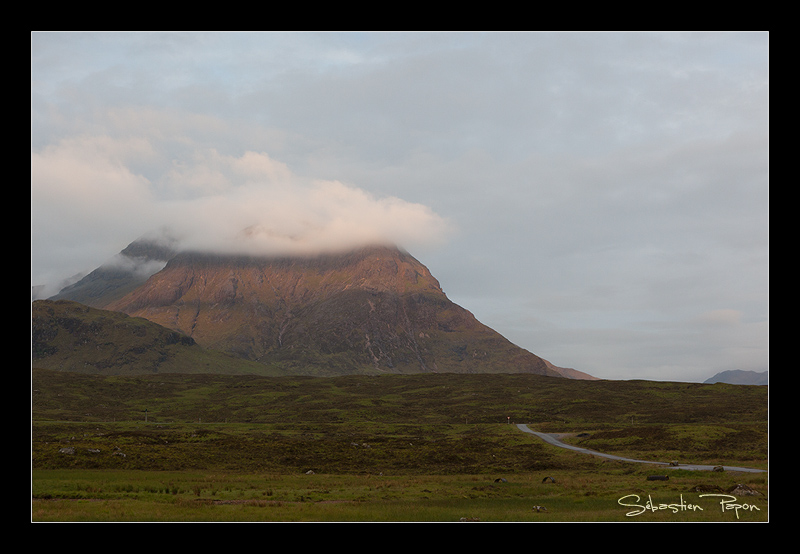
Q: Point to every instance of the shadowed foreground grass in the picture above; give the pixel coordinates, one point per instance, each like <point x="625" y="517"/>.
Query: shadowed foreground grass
<point x="80" y="495"/>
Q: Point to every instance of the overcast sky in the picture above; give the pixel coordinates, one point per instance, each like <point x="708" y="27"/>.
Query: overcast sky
<point x="600" y="199"/>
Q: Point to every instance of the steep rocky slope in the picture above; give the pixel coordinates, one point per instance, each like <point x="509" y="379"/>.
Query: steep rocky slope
<point x="376" y="309"/>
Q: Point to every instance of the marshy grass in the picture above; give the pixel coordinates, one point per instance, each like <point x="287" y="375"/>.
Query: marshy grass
<point x="393" y="448"/>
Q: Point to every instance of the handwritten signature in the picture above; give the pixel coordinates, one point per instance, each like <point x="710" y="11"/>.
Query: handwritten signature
<point x="727" y="503"/>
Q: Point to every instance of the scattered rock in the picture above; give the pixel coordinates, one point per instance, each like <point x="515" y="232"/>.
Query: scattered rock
<point x="546" y="479"/>
<point x="470" y="519"/>
<point x="743" y="490"/>
<point x="67" y="450"/>
<point x="501" y="480"/>
<point x="539" y="509"/>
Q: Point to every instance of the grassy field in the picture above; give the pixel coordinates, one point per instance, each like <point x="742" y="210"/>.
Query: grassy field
<point x="575" y="496"/>
<point x="394" y="448"/>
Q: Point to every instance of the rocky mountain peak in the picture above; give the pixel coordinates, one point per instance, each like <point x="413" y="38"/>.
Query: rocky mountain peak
<point x="369" y="310"/>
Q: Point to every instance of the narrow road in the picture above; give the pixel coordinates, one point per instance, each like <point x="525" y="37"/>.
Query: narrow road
<point x="551" y="439"/>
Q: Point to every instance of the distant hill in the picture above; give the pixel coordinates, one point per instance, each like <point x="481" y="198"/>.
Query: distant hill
<point x="366" y="311"/>
<point x="739" y="377"/>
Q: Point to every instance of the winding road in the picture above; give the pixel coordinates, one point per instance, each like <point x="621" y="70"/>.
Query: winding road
<point x="550" y="438"/>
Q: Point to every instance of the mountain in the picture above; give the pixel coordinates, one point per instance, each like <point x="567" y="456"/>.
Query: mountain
<point x="740" y="377"/>
<point x="366" y="311"/>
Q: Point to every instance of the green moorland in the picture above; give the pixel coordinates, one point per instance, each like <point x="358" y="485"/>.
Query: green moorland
<point x="391" y="448"/>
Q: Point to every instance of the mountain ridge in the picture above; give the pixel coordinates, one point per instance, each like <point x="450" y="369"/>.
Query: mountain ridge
<point x="122" y="274"/>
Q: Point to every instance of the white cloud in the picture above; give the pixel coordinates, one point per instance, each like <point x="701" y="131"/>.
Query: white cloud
<point x="83" y="198"/>
<point x="267" y="209"/>
<point x="83" y="190"/>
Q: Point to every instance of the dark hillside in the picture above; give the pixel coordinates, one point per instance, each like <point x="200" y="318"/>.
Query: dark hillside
<point x="68" y="336"/>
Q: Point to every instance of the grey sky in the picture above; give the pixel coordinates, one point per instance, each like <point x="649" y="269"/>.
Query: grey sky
<point x="601" y="199"/>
